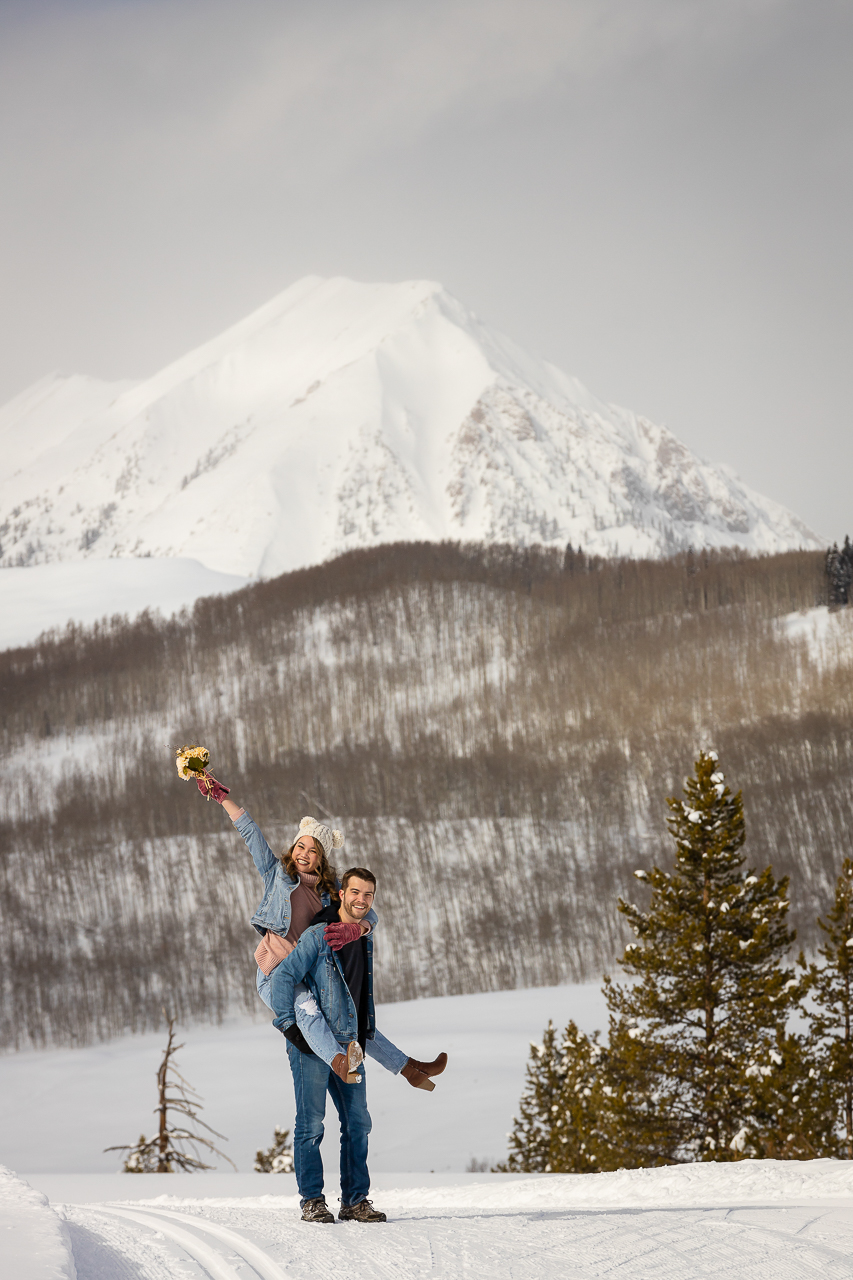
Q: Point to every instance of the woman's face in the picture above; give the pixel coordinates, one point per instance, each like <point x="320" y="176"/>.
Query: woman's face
<point x="306" y="855"/>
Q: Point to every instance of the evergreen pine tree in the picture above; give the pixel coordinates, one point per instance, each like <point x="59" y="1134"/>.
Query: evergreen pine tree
<point x="530" y="1138"/>
<point x="711" y="993"/>
<point x="791" y="1116"/>
<point x="576" y="1144"/>
<point x="831" y="1016"/>
<point x="279" y="1157"/>
<point x="839" y="572"/>
<point x="142" y="1157"/>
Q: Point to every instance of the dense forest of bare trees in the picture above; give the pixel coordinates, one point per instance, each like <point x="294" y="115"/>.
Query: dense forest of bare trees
<point x="498" y="727"/>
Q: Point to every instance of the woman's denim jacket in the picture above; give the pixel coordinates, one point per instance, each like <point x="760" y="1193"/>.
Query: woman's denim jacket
<point x="315" y="963"/>
<point x="274" y="910"/>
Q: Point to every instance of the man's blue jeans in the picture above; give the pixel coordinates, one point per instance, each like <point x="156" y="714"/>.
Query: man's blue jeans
<point x="312" y="1079"/>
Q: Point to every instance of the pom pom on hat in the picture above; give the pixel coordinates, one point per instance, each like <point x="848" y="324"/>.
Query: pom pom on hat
<point x="322" y="834"/>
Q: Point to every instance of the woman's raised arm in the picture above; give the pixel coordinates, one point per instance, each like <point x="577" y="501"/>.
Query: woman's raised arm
<point x="231" y="808"/>
<point x="262" y="855"/>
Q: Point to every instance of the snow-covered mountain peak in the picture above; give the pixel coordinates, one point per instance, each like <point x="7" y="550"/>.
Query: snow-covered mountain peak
<point x="342" y="414"/>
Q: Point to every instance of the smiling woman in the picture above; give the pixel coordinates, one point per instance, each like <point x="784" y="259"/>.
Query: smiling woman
<point x="308" y="855"/>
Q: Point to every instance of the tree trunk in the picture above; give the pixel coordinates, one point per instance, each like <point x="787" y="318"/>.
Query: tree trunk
<point x="163" y="1143"/>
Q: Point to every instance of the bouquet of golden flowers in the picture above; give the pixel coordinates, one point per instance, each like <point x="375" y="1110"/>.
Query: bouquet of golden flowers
<point x="192" y="762"/>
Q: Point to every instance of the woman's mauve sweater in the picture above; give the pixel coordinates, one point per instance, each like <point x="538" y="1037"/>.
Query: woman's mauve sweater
<point x="304" y="904"/>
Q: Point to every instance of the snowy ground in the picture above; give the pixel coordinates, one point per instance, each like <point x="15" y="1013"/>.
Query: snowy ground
<point x="754" y="1219"/>
<point x="41" y="597"/>
<point x="759" y="1220"/>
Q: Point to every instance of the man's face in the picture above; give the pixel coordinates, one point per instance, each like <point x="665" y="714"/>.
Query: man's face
<point x="357" y="898"/>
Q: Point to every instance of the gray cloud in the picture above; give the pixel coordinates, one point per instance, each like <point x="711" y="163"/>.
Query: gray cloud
<point x="655" y="194"/>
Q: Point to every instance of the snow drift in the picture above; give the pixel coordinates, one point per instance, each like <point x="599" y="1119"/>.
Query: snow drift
<point x="34" y="1238"/>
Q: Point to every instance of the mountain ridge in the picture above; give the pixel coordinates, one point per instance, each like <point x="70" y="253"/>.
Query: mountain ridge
<point x="340" y="415"/>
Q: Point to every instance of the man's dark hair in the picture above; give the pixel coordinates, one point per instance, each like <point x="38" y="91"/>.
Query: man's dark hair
<point x="357" y="873"/>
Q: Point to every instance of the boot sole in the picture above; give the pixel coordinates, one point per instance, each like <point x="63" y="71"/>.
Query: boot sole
<point x="355" y="1057"/>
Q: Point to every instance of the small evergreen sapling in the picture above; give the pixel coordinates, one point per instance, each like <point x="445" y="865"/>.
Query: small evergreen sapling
<point x="577" y="1143"/>
<point x="530" y="1138"/>
<point x="711" y="992"/>
<point x="164" y="1152"/>
<point x="556" y="1128"/>
<point x="279" y="1157"/>
<point x="831" y="1015"/>
<point x="791" y="1118"/>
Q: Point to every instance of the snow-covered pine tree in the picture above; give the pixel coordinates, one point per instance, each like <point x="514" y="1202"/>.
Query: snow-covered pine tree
<point x="142" y="1157"/>
<point x="530" y="1139"/>
<point x="711" y="992"/>
<point x="576" y="1143"/>
<point x="791" y="1115"/>
<point x="831" y="1014"/>
<point x="166" y="1150"/>
<point x="279" y="1157"/>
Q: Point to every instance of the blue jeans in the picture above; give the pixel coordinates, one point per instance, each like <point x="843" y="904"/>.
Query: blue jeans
<point x="317" y="1032"/>
<point x="312" y="1079"/>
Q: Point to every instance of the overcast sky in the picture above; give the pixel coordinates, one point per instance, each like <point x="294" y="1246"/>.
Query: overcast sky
<point x="655" y="195"/>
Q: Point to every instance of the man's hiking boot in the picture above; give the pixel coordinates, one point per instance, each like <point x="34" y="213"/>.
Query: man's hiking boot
<point x="317" y="1211"/>
<point x="418" y="1073"/>
<point x="361" y="1212"/>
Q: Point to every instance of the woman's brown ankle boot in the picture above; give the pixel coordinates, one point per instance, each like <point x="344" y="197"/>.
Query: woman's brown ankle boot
<point x="418" y="1073"/>
<point x="412" y="1072"/>
<point x="433" y="1068"/>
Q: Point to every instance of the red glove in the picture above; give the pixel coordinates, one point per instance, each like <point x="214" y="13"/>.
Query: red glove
<point x="338" y="935"/>
<point x="210" y="788"/>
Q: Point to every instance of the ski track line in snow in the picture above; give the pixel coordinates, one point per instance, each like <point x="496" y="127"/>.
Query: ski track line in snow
<point x="210" y="1259"/>
<point x="113" y="1248"/>
<point x="266" y="1268"/>
<point x="772" y="1243"/>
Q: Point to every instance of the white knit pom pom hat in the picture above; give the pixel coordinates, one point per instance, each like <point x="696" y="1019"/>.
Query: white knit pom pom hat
<point x="323" y="835"/>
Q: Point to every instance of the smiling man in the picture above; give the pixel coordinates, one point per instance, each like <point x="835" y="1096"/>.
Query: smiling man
<point x="340" y="983"/>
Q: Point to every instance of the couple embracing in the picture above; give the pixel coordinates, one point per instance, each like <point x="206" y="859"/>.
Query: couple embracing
<point x="315" y="972"/>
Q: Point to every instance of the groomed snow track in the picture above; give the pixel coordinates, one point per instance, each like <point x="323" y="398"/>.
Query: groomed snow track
<point x="217" y="1241"/>
<point x="219" y="1252"/>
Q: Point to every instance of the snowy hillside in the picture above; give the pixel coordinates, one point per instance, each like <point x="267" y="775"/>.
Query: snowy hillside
<point x="343" y="415"/>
